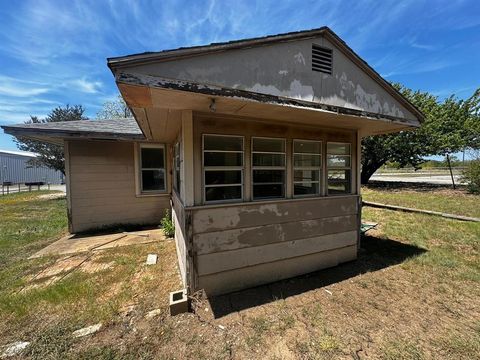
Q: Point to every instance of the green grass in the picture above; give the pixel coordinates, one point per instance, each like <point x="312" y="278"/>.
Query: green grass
<point x="28" y="224"/>
<point x="454" y="202"/>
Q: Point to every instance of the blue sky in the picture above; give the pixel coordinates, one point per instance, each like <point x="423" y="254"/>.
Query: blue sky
<point x="54" y="52"/>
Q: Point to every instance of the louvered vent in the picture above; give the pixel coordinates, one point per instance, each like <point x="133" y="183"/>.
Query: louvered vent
<point x="321" y="59"/>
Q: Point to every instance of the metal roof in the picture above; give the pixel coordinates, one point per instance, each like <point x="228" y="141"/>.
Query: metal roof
<point x="18" y="153"/>
<point x="119" y="128"/>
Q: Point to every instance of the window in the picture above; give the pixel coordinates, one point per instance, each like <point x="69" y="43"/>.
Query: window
<point x="152" y="168"/>
<point x="222" y="167"/>
<point x="176" y="167"/>
<point x="268" y="168"/>
<point x="307" y="165"/>
<point x="339" y="168"/>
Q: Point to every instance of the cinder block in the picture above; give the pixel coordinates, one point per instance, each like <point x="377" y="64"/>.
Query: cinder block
<point x="178" y="302"/>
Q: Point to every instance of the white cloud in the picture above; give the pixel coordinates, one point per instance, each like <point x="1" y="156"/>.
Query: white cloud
<point x="19" y="88"/>
<point x="89" y="87"/>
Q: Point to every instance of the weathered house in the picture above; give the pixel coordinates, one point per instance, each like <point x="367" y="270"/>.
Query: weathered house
<point x="253" y="144"/>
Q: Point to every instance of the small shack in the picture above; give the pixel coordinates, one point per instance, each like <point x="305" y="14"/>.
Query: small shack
<point x="255" y="146"/>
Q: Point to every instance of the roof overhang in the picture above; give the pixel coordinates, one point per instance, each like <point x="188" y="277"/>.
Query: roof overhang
<point x="57" y="137"/>
<point x="146" y="94"/>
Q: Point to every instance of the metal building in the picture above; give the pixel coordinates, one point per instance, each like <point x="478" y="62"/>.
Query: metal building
<point x="15" y="169"/>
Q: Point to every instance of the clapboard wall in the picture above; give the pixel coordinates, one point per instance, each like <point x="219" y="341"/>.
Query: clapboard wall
<point x="249" y="244"/>
<point x="101" y="187"/>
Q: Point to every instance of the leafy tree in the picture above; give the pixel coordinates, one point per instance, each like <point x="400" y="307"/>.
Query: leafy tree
<point x="114" y="109"/>
<point x="449" y="126"/>
<point x="50" y="155"/>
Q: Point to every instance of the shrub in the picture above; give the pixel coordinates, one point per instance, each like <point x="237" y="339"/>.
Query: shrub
<point x="471" y="175"/>
<point x="167" y="224"/>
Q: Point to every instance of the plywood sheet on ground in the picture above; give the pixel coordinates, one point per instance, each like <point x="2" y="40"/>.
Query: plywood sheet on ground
<point x="73" y="244"/>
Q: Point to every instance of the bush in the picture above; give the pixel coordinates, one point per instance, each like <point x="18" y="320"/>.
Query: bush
<point x="167" y="224"/>
<point x="471" y="175"/>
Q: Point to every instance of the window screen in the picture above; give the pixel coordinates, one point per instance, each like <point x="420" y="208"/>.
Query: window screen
<point x="268" y="168"/>
<point x="307" y="165"/>
<point x="152" y="168"/>
<point x="222" y="168"/>
<point x="339" y="168"/>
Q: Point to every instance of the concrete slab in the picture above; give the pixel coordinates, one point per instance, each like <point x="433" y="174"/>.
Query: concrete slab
<point x="73" y="244"/>
<point x="151" y="259"/>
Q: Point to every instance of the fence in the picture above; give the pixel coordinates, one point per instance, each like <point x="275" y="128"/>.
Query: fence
<point x="10" y="188"/>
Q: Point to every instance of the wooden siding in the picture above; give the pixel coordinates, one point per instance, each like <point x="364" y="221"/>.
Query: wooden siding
<point x="178" y="216"/>
<point x="243" y="245"/>
<point x="102" y="187"/>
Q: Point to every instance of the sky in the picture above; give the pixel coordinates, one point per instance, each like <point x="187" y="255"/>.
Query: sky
<point x="53" y="53"/>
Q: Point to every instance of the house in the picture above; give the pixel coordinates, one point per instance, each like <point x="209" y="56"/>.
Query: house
<point x="253" y="144"/>
<point x="15" y="168"/>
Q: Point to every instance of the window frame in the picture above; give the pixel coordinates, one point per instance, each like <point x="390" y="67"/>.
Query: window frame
<point x="177" y="167"/>
<point x="223" y="168"/>
<point x="253" y="167"/>
<point x="308" y="168"/>
<point x="139" y="169"/>
<point x="340" y="168"/>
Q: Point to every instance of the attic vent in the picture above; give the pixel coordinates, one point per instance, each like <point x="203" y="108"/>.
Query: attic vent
<point x="321" y="59"/>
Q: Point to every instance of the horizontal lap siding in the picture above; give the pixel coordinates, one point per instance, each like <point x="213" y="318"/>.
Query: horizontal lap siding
<point x="241" y="278"/>
<point x="255" y="243"/>
<point x="102" y="187"/>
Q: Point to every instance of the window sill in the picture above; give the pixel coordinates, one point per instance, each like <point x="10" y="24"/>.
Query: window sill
<point x="157" y="194"/>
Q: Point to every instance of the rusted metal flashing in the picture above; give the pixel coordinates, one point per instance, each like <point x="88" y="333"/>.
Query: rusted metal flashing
<point x="117" y="63"/>
<point x="213" y="90"/>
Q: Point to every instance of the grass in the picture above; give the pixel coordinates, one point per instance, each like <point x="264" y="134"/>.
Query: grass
<point x="417" y="197"/>
<point x="414" y="293"/>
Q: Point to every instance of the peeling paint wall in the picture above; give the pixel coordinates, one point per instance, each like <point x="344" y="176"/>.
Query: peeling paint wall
<point x="243" y="245"/>
<point x="284" y="69"/>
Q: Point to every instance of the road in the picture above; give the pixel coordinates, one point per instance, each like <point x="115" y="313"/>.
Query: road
<point x="417" y="178"/>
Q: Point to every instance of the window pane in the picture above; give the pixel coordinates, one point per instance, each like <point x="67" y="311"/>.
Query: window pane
<point x="268" y="191"/>
<point x="268" y="159"/>
<point x="222" y="159"/>
<point x="338" y="149"/>
<point x="305" y="188"/>
<point x="339" y="182"/>
<point x="338" y="161"/>
<point x="223" y="193"/>
<point x="312" y="147"/>
<point x="306" y="175"/>
<point x="224" y="143"/>
<point x="268" y="176"/>
<point x="152" y="158"/>
<point x="300" y="160"/>
<point x="268" y="145"/>
<point x="153" y="180"/>
<point x="223" y="177"/>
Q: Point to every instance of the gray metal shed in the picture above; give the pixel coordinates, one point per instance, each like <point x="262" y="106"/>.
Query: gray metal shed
<point x="15" y="169"/>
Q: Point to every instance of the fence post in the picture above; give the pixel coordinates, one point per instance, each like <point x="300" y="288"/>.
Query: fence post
<point x="8" y="189"/>
<point x="29" y="188"/>
<point x="19" y="187"/>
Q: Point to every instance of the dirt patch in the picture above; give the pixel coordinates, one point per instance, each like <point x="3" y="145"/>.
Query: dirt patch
<point x="51" y="196"/>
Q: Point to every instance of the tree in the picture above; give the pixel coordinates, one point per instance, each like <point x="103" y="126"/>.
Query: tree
<point x="50" y="155"/>
<point x="448" y="127"/>
<point x="114" y="109"/>
<point x="406" y="147"/>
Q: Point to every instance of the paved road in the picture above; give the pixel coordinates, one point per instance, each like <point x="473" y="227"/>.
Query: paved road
<point x="429" y="179"/>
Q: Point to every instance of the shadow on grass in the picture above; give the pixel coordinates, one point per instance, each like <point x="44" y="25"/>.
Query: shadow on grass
<point x="375" y="254"/>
